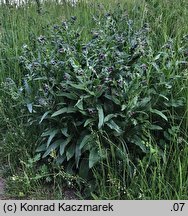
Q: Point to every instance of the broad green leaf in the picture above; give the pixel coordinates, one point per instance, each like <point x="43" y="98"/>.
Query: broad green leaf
<point x="100" y="116"/>
<point x="123" y="107"/>
<point x="90" y="92"/>
<point x="168" y="136"/>
<point x="93" y="157"/>
<point x="30" y="107"/>
<point x="88" y="121"/>
<point x="48" y="132"/>
<point x="75" y="64"/>
<point x="70" y="152"/>
<point x="85" y="140"/>
<point x="68" y="95"/>
<point x="63" y="144"/>
<point x="41" y="148"/>
<point x="71" y="109"/>
<point x="60" y="159"/>
<point x="86" y="148"/>
<point x="64" y="131"/>
<point x="108" y="117"/>
<point x="138" y="141"/>
<point x="157" y="57"/>
<point x="157" y="112"/>
<point x="100" y="92"/>
<point x="52" y="147"/>
<point x="155" y="127"/>
<point x="83" y="168"/>
<point x="94" y="196"/>
<point x="134" y="101"/>
<point x="77" y="154"/>
<point x="59" y="112"/>
<point x="111" y="124"/>
<point x="79" y="104"/>
<point x="37" y="157"/>
<point x="81" y="142"/>
<point x="52" y="135"/>
<point x="78" y="86"/>
<point x="144" y="102"/>
<point x="40" y="78"/>
<point x="163" y="96"/>
<point x="27" y="87"/>
<point x="114" y="99"/>
<point x="83" y="112"/>
<point x="155" y="66"/>
<point x="61" y="104"/>
<point x="44" y="116"/>
<point x="70" y="167"/>
<point x="176" y="103"/>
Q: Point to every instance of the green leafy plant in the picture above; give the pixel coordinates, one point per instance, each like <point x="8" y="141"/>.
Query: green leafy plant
<point x="112" y="87"/>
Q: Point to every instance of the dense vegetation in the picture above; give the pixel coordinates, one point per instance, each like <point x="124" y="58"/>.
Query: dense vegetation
<point x="94" y="99"/>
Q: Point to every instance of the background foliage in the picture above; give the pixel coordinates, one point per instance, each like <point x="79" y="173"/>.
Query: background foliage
<point x="100" y="98"/>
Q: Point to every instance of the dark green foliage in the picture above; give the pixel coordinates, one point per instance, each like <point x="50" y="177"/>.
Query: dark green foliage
<point x="113" y="87"/>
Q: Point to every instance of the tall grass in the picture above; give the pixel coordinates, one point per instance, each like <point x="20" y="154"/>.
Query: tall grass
<point x="167" y="19"/>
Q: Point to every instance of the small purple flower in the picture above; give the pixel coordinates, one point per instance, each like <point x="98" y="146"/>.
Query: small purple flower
<point x="91" y="111"/>
<point x="64" y="24"/>
<point x="102" y="56"/>
<point x="146" y="27"/>
<point x="35" y="64"/>
<point x="66" y="76"/>
<point x="77" y="34"/>
<point x="21" y="59"/>
<point x="53" y="62"/>
<point x="74" y="18"/>
<point x="144" y="67"/>
<point x="46" y="88"/>
<point x="84" y="48"/>
<point x="110" y="69"/>
<point x="63" y="86"/>
<point x="168" y="46"/>
<point x="119" y="39"/>
<point x="41" y="39"/>
<point x="56" y="27"/>
<point x="107" y="15"/>
<point x="80" y="72"/>
<point x="120" y="82"/>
